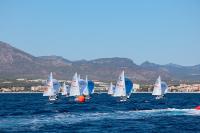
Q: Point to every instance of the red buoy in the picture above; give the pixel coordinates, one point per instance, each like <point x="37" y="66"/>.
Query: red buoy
<point x="197" y="108"/>
<point x="81" y="99"/>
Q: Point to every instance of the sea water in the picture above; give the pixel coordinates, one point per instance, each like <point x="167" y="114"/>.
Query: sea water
<point x="102" y="113"/>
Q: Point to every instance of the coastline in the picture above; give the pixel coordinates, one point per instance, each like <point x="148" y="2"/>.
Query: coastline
<point x="94" y="93"/>
<point x="18" y="92"/>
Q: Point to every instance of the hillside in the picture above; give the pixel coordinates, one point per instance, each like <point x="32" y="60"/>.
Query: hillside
<point x="15" y="63"/>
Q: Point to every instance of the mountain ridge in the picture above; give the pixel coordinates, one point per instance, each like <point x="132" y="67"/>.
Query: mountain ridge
<point x="15" y="63"/>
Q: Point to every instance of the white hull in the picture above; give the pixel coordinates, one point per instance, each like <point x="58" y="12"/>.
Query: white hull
<point x="159" y="97"/>
<point x="123" y="99"/>
<point x="53" y="98"/>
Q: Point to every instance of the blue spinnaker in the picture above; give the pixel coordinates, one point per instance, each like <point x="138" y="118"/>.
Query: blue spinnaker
<point x="129" y="86"/>
<point x="90" y="86"/>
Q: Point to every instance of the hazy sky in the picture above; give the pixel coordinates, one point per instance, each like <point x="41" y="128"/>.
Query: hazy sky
<point x="161" y="31"/>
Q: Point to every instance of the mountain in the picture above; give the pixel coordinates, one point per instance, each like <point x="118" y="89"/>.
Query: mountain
<point x="15" y="63"/>
<point x="55" y="60"/>
<point x="149" y="65"/>
<point x="176" y="72"/>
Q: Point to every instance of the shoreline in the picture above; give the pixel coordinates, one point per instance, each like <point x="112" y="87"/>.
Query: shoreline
<point x="94" y="93"/>
<point x="18" y="92"/>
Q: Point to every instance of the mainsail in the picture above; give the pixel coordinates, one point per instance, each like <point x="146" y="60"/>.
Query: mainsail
<point x="75" y="89"/>
<point x="85" y="89"/>
<point x="120" y="89"/>
<point x="157" y="88"/>
<point x="50" y="88"/>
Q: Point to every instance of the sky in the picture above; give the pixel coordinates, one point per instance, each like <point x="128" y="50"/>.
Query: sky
<point x="159" y="31"/>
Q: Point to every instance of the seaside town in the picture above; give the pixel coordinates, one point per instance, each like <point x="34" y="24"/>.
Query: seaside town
<point x="38" y="85"/>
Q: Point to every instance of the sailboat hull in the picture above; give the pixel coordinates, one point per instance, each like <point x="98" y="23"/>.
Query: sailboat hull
<point x="53" y="98"/>
<point x="123" y="99"/>
<point x="159" y="97"/>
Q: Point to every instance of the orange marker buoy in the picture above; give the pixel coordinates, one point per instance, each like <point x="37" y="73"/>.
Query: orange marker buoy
<point x="197" y="108"/>
<point x="81" y="99"/>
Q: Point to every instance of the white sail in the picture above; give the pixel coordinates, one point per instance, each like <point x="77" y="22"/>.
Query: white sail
<point x="86" y="91"/>
<point x="157" y="91"/>
<point x="110" y="89"/>
<point x="64" y="89"/>
<point x="75" y="89"/>
<point x="50" y="89"/>
<point x="120" y="89"/>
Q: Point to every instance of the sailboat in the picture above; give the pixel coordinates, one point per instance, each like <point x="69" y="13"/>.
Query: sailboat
<point x="75" y="89"/>
<point x="85" y="91"/>
<point x="111" y="89"/>
<point x="87" y="87"/>
<point x="50" y="92"/>
<point x="120" y="90"/>
<point x="160" y="88"/>
<point x="64" y="90"/>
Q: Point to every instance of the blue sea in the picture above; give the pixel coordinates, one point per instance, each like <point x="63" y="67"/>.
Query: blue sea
<point x="102" y="113"/>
